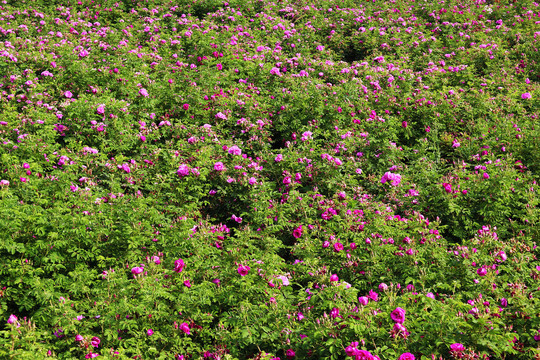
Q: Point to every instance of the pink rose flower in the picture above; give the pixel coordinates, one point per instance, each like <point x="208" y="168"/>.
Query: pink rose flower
<point x="457" y="347"/>
<point x="406" y="356"/>
<point x="398" y="315"/>
<point x="338" y="247"/>
<point x="219" y="166"/>
<point x="12" y="319"/>
<point x="143" y="92"/>
<point x="363" y="300"/>
<point x="183" y="170"/>
<point x="394" y="179"/>
<point x="481" y="271"/>
<point x="290" y="353"/>
<point x="297" y="232"/>
<point x="243" y="270"/>
<point x="179" y="265"/>
<point x="235" y="150"/>
<point x="185" y="328"/>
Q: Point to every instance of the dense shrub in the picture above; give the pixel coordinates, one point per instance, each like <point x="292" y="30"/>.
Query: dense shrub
<point x="262" y="180"/>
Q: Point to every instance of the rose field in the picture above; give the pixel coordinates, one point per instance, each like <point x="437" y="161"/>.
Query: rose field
<point x="258" y="179"/>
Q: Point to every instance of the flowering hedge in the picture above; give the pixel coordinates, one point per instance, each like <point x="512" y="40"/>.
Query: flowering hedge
<point x="262" y="180"/>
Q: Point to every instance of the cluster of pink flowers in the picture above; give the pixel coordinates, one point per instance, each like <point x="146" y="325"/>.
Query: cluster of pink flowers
<point x="394" y="179"/>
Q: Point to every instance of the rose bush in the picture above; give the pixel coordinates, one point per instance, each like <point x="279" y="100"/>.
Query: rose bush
<point x="261" y="180"/>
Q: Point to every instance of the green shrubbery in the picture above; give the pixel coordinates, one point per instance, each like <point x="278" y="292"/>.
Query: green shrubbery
<point x="260" y="180"/>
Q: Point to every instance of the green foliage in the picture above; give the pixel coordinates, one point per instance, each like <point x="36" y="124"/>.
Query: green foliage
<point x="260" y="180"/>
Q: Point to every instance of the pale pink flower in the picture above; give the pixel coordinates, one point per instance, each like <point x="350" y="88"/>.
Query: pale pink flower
<point x="143" y="92"/>
<point x="219" y="166"/>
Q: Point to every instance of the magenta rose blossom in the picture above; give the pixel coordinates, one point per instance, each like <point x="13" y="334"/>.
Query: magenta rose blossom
<point x="373" y="295"/>
<point x="482" y="271"/>
<point x="137" y="270"/>
<point x="183" y="170"/>
<point x="406" y="356"/>
<point x="179" y="265"/>
<point x="447" y="187"/>
<point x="297" y="232"/>
<point x="394" y="179"/>
<point x="12" y="319"/>
<point x="219" y="166"/>
<point x="243" y="270"/>
<point x="398" y="315"/>
<point x="185" y="328"/>
<point x="235" y="150"/>
<point x="143" y="92"/>
<point x="95" y="342"/>
<point x="290" y="354"/>
<point x="457" y="347"/>
<point x="363" y="300"/>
